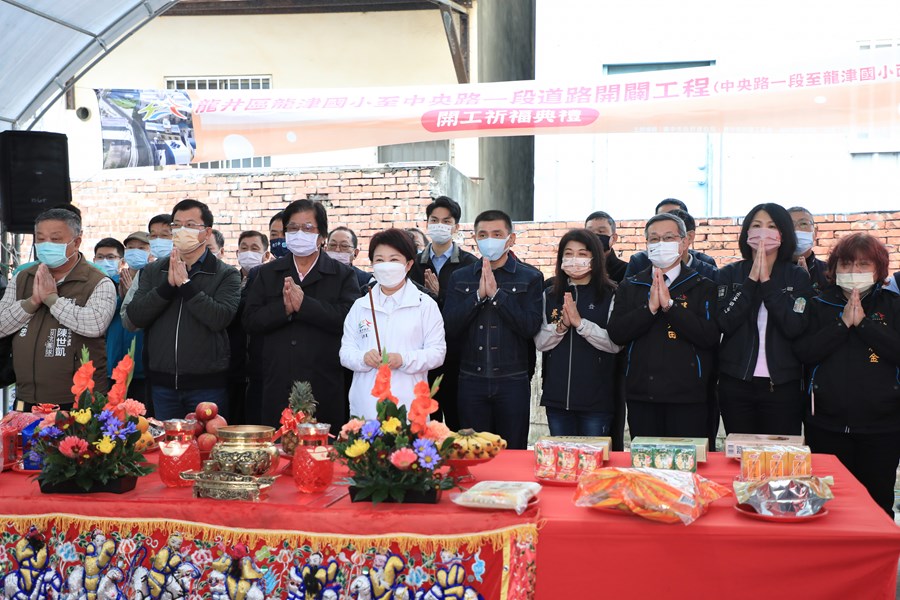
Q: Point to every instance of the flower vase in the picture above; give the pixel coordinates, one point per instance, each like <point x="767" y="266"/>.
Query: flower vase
<point x="432" y="496"/>
<point x="113" y="486"/>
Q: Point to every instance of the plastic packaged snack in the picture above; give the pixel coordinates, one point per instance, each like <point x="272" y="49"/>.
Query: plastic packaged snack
<point x="564" y="459"/>
<point x="508" y="495"/>
<point x="656" y="494"/>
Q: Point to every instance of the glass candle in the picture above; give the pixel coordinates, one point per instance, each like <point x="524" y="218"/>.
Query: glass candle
<point x="179" y="452"/>
<point x="313" y="464"/>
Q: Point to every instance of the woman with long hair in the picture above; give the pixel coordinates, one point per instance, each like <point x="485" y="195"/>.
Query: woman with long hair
<point x="579" y="370"/>
<point x="852" y="351"/>
<point x="762" y="308"/>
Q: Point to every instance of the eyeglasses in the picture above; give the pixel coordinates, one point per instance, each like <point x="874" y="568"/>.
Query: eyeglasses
<point x="189" y="225"/>
<point x="339" y="247"/>
<point x="106" y="257"/>
<point x="803" y="224"/>
<point x="669" y="237"/>
<point x="304" y="227"/>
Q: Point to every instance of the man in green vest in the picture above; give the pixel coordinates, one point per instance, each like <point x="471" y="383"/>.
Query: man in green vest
<point x="54" y="307"/>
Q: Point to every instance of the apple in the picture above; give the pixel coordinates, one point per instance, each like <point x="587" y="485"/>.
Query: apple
<point x="206" y="410"/>
<point x="206" y="441"/>
<point x="212" y="426"/>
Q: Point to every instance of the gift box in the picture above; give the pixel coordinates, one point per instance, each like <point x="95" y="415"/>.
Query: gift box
<point x="669" y="456"/>
<point x="11" y="427"/>
<point x="565" y="458"/>
<point x="735" y="442"/>
<point x="701" y="445"/>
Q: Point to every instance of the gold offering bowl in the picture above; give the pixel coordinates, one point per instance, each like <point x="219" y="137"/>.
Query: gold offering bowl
<point x="246" y="450"/>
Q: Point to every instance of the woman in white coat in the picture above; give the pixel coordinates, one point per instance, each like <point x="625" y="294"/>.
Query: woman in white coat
<point x="410" y="327"/>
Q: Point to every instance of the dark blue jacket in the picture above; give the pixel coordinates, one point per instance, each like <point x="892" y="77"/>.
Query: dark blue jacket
<point x="495" y="334"/>
<point x="703" y="264"/>
<point x="576" y="375"/>
<point x="668" y="354"/>
<point x="854" y="373"/>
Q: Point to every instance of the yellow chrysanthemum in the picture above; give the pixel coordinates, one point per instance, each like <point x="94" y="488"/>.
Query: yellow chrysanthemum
<point x="105" y="445"/>
<point x="82" y="416"/>
<point x="357" y="448"/>
<point x="391" y="426"/>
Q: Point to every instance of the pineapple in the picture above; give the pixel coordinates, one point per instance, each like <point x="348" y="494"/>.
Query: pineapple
<point x="301" y="400"/>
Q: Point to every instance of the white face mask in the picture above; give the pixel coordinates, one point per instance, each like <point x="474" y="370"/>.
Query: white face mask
<point x="250" y="259"/>
<point x="301" y="243"/>
<point x="186" y="239"/>
<point x="855" y="281"/>
<point x="576" y="267"/>
<point x="341" y="257"/>
<point x="440" y="233"/>
<point x="663" y="254"/>
<point x="389" y="274"/>
<point x="804" y="242"/>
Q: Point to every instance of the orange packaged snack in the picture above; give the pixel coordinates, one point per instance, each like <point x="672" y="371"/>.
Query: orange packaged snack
<point x="655" y="494"/>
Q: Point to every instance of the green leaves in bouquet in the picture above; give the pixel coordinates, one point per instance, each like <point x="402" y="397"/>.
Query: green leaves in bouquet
<point x="83" y="445"/>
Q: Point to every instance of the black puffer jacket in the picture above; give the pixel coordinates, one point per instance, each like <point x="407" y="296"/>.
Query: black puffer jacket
<point x="854" y="372"/>
<point x="786" y="294"/>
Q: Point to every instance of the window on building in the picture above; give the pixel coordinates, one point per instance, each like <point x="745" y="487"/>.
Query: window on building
<point x="872" y="143"/>
<point x="223" y="82"/>
<point x="438" y="150"/>
<point x="618" y="69"/>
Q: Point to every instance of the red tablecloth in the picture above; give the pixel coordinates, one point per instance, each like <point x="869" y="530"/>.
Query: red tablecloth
<point x="584" y="553"/>
<point x="581" y="553"/>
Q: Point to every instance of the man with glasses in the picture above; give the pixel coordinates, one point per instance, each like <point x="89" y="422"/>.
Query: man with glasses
<point x="54" y="307"/>
<point x="805" y="229"/>
<point x="343" y="246"/>
<point x="185" y="303"/>
<point x="295" y="310"/>
<point x="664" y="315"/>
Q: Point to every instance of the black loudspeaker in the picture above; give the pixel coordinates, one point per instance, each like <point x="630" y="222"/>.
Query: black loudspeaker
<point x="34" y="176"/>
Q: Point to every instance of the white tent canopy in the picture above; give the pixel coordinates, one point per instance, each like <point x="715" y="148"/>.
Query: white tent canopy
<point x="47" y="45"/>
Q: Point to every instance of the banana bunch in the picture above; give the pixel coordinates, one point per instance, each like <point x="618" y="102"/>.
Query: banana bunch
<point x="471" y="444"/>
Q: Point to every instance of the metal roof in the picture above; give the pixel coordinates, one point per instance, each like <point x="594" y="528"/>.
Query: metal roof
<point x="47" y="45"/>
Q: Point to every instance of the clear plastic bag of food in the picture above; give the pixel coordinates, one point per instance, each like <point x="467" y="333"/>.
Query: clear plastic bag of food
<point x="509" y="495"/>
<point x="655" y="494"/>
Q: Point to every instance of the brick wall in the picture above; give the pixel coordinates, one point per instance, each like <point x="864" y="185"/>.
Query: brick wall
<point x="368" y="200"/>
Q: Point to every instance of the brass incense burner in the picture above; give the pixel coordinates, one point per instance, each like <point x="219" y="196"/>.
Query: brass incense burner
<point x="246" y="449"/>
<point x="241" y="465"/>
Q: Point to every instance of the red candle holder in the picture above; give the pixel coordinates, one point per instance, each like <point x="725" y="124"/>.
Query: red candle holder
<point x="313" y="464"/>
<point x="178" y="452"/>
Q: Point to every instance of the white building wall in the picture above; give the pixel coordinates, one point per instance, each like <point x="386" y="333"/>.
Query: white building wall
<point x="717" y="174"/>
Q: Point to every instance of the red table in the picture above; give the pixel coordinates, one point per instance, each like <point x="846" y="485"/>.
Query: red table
<point x="581" y="552"/>
<point x="586" y="553"/>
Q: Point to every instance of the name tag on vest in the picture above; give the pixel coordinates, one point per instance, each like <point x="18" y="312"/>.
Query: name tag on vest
<point x="58" y="342"/>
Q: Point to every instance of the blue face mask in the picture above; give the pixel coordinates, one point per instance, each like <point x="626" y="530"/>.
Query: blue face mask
<point x="108" y="266"/>
<point x="52" y="254"/>
<point x="279" y="248"/>
<point x="136" y="258"/>
<point x="492" y="248"/>
<point x="161" y="247"/>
